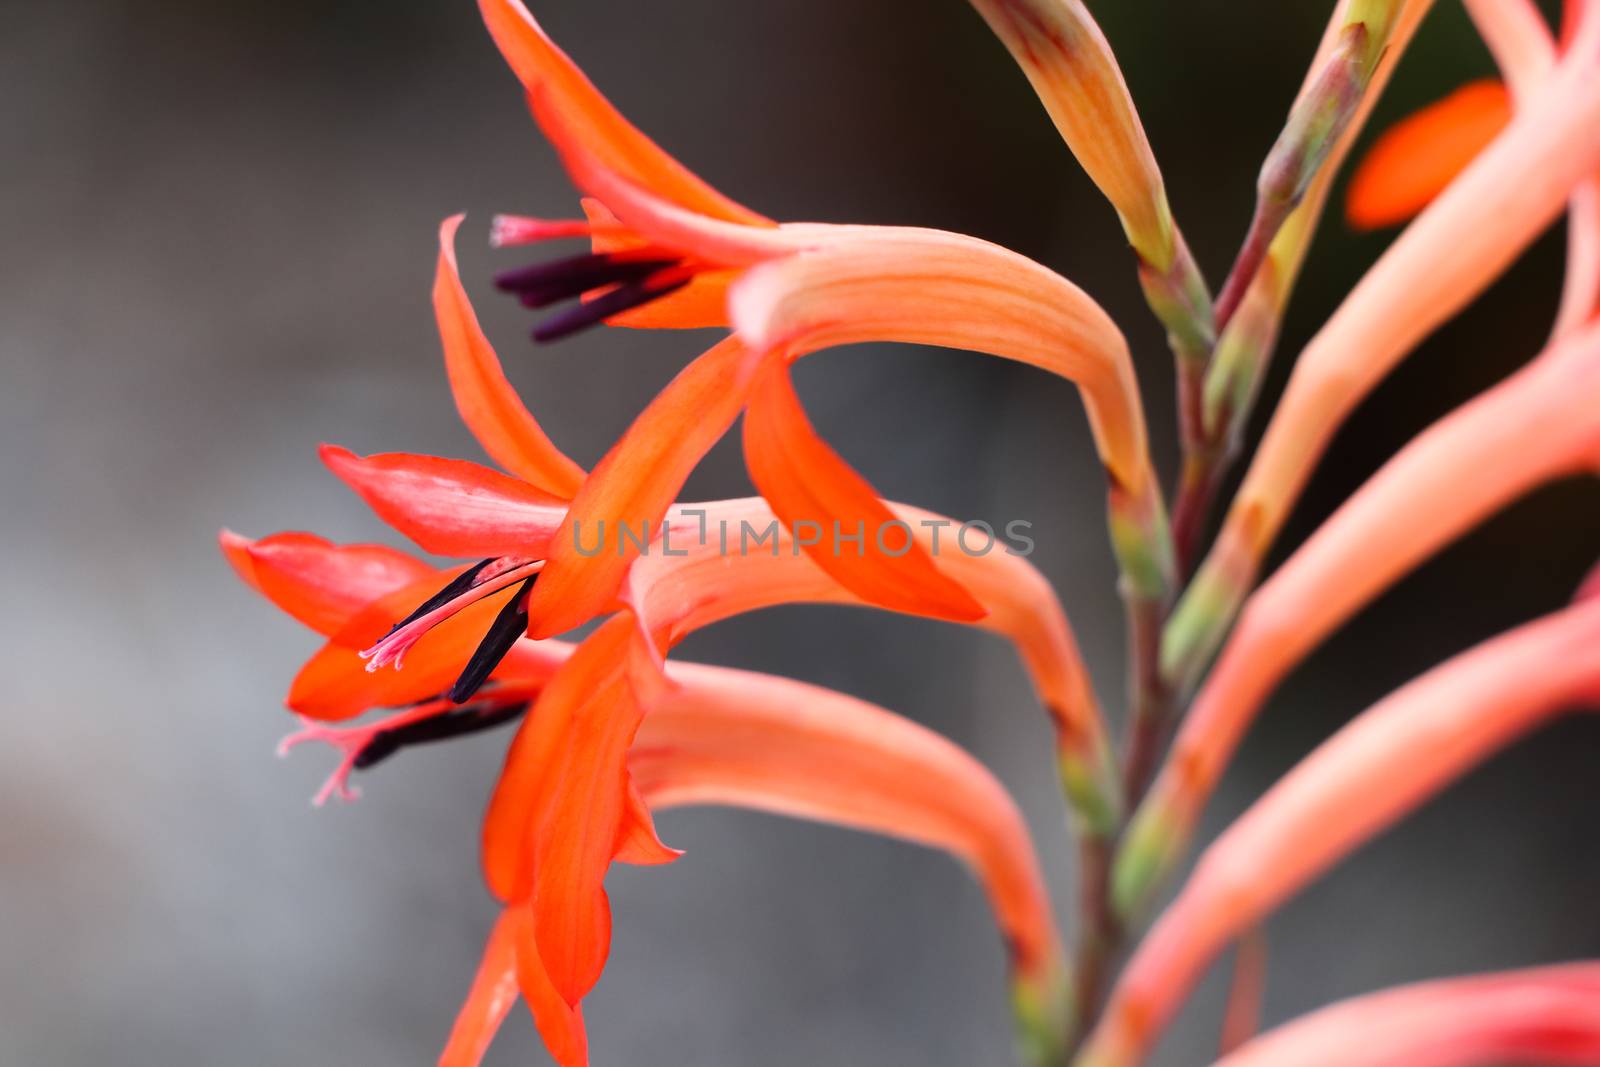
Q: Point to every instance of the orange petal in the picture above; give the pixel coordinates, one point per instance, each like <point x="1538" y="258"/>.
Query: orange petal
<point x="539" y="745"/>
<point x="810" y="487"/>
<point x="1540" y="1015"/>
<point x="450" y="506"/>
<point x="490" y="999"/>
<point x="560" y="1024"/>
<point x="660" y="220"/>
<point x="634" y="485"/>
<point x="1417" y="157"/>
<point x="564" y="794"/>
<point x="637" y="841"/>
<point x="927" y="287"/>
<point x="572" y="108"/>
<point x="772" y="744"/>
<point x="321" y="584"/>
<point x="488" y="404"/>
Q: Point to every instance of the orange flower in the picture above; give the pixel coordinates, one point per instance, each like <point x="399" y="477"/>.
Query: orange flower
<point x="713" y="735"/>
<point x="667" y="245"/>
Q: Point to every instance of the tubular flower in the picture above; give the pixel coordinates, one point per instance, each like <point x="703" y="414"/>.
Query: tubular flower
<point x="1448" y="255"/>
<point x="1446" y="481"/>
<point x="1386" y="762"/>
<point x="713" y="736"/>
<point x="1541" y="1015"/>
<point x="609" y="731"/>
<point x="656" y="238"/>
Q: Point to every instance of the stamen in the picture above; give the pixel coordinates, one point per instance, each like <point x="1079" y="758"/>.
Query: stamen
<point x="484" y="579"/>
<point x="618" y="300"/>
<point x="508" y="628"/>
<point x="543" y="284"/>
<point x="457" y="722"/>
<point x="362" y="745"/>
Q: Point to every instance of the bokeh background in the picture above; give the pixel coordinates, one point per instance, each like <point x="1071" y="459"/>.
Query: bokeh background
<point x="220" y="223"/>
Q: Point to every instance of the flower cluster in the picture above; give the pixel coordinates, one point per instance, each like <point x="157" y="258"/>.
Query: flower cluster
<point x="610" y="732"/>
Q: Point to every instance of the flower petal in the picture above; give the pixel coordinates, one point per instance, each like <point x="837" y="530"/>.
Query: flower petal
<point x="1540" y="1015"/>
<point x="637" y="840"/>
<point x="1416" y="158"/>
<point x="808" y="484"/>
<point x="771" y="744"/>
<point x="927" y="287"/>
<point x="572" y="108"/>
<point x="488" y="404"/>
<point x="489" y="1000"/>
<point x="449" y="506"/>
<point x="594" y="672"/>
<point x="633" y="486"/>
<point x="320" y="584"/>
<point x="560" y="1024"/>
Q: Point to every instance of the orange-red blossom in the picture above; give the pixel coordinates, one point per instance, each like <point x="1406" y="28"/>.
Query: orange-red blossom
<point x="713" y="735"/>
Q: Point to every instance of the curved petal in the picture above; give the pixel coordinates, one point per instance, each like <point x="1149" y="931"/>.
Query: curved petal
<point x="633" y="486"/>
<point x="808" y="484"/>
<point x="320" y="584"/>
<point x="489" y="1000"/>
<point x="452" y="507"/>
<point x="725" y="558"/>
<point x="571" y="108"/>
<point x="1390" y="759"/>
<point x="488" y="404"/>
<point x="1545" y="1015"/>
<point x="555" y="819"/>
<point x="511" y="965"/>
<point x="771" y="744"/>
<point x="927" y="287"/>
<point x="560" y="1024"/>
<point x="1416" y="158"/>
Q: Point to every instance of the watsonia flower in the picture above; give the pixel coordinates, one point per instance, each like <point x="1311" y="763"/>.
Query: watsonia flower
<point x="667" y="244"/>
<point x="715" y="736"/>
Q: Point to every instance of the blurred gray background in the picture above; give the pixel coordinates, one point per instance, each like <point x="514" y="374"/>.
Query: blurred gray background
<point x="219" y="222"/>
